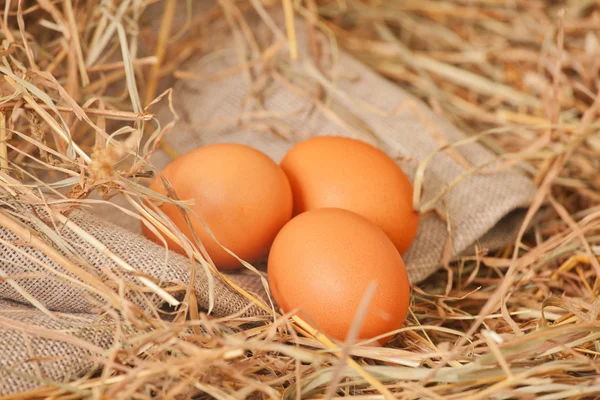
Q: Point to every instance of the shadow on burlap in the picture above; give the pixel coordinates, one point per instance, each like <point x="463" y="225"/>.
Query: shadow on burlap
<point x="485" y="209"/>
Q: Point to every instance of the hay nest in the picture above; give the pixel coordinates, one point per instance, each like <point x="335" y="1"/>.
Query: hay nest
<point x="80" y="85"/>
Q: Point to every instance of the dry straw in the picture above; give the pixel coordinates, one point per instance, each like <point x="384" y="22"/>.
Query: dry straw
<point x="520" y="76"/>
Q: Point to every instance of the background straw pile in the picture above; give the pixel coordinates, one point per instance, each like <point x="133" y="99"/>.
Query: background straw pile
<point x="521" y="75"/>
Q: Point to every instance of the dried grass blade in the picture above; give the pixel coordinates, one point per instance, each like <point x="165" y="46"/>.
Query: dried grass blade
<point x="85" y="80"/>
<point x="21" y="24"/>
<point x="129" y="73"/>
<point x="3" y="143"/>
<point x="288" y="9"/>
<point x="26" y="295"/>
<point x="161" y="46"/>
<point x="51" y="334"/>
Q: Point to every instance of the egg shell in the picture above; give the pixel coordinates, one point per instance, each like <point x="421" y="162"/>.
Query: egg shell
<point x="322" y="263"/>
<point x="339" y="172"/>
<point x="240" y="193"/>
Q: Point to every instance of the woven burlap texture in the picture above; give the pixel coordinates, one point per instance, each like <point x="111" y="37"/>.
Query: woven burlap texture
<point x="484" y="209"/>
<point x="58" y="294"/>
<point x="35" y="348"/>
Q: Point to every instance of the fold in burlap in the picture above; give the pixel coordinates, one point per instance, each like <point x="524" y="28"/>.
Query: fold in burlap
<point x="484" y="209"/>
<point x="54" y="292"/>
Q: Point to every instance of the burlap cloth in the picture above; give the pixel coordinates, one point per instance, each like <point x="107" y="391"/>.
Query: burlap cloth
<point x="483" y="209"/>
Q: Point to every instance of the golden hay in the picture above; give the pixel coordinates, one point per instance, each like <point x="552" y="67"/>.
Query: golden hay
<point x="522" y="323"/>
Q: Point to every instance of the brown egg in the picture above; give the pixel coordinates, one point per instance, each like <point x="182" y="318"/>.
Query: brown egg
<point x="322" y="262"/>
<point x="333" y="171"/>
<point x="240" y="193"/>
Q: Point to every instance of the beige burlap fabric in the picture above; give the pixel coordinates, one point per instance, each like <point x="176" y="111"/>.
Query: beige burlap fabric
<point x="58" y="294"/>
<point x="36" y="349"/>
<point x="486" y="209"/>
